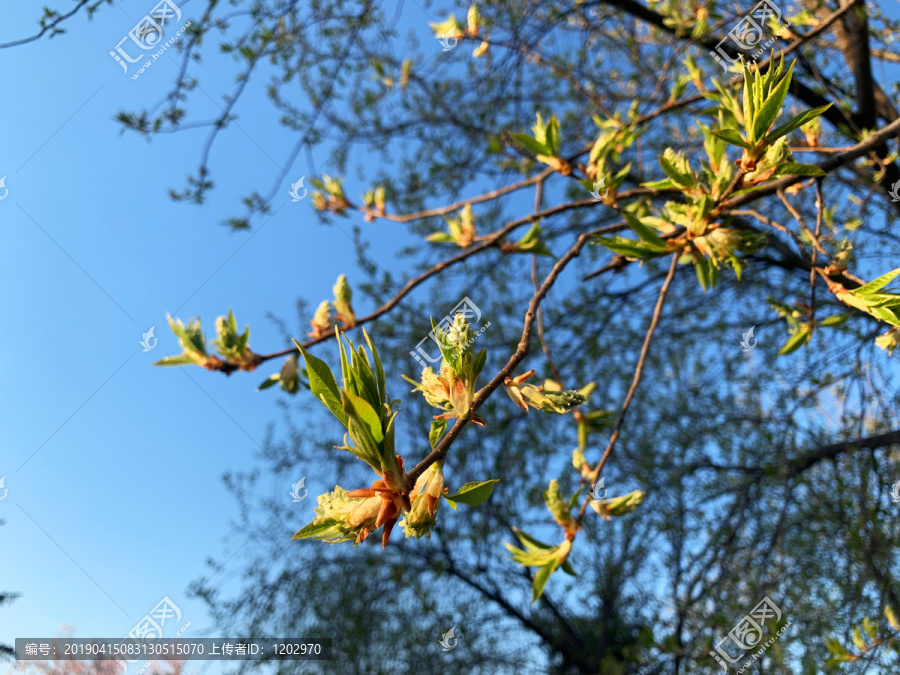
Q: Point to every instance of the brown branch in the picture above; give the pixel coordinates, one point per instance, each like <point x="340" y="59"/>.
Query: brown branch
<point x="852" y="35"/>
<point x="808" y="459"/>
<point x="638" y="372"/>
<point x="794" y="212"/>
<point x="53" y="24"/>
<point x="890" y="131"/>
<point x="491" y="241"/>
<point x="568" y="77"/>
<point x="487" y="196"/>
<point x="812" y="271"/>
<point x="796" y="44"/>
<point x="440" y="451"/>
<point x="534" y="280"/>
<point x="773" y="223"/>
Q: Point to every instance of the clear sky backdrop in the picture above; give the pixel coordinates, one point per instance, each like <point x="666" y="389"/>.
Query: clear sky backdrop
<point x="113" y="468"/>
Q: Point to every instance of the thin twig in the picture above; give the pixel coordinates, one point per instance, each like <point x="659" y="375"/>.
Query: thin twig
<point x="638" y="372"/>
<point x="794" y="212"/>
<point x="796" y="44"/>
<point x="538" y="194"/>
<point x="892" y="130"/>
<point x="492" y="240"/>
<point x="443" y="210"/>
<point x="773" y="223"/>
<point x="815" y="253"/>
<point x="440" y="451"/>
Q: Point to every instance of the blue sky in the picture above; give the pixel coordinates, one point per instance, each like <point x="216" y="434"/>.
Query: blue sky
<point x="113" y="468"/>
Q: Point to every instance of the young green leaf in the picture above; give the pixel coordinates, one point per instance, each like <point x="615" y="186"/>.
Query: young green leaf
<point x="835" y="647"/>
<point x="731" y="136"/>
<point x="474" y="494"/>
<point x="835" y="320"/>
<point x="314" y="528"/>
<point x="379" y="369"/>
<point x="323" y="385"/>
<point x="858" y="641"/>
<point x="797" y="169"/>
<point x="702" y="270"/>
<point x="180" y="360"/>
<point x="680" y="179"/>
<point x="796" y="123"/>
<point x="541" y="577"/>
<point x="437" y="430"/>
<point x="441" y="238"/>
<point x="877" y="284"/>
<point x="797" y="340"/>
<point x="358" y="409"/>
<point x="270" y="381"/>
<point x="648" y="234"/>
<point x="870" y="627"/>
<point x="528" y="143"/>
<point x="768" y="111"/>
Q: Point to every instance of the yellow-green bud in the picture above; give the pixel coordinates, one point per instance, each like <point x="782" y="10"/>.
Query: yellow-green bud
<point x="425" y="500"/>
<point x="342" y="301"/>
<point x="558" y="506"/>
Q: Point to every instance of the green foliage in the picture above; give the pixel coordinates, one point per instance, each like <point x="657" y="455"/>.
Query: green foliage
<point x="361" y="404"/>
<point x="528" y="395"/>
<point x="289" y="377"/>
<point x="870" y="299"/>
<point x="531" y="243"/>
<point x="231" y="345"/>
<point x="544" y="144"/>
<point x="547" y="559"/>
<point x="762" y="100"/>
<point x="192" y="341"/>
<point x="330" y="195"/>
<point x="559" y="507"/>
<point x="618" y="506"/>
<point x="473" y="494"/>
<point x="340" y="518"/>
<point x="866" y="637"/>
<point x="453" y="388"/>
<point x="364" y="408"/>
<point x="461" y="229"/>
